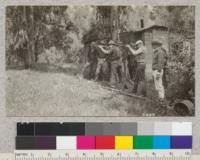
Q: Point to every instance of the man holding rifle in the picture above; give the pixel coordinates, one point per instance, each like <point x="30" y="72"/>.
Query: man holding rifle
<point x="139" y="80"/>
<point x="101" y="57"/>
<point x="115" y="60"/>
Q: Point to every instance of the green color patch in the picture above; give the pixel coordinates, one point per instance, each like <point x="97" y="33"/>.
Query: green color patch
<point x="143" y="142"/>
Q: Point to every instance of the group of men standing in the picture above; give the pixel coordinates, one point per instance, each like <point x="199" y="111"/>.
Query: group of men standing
<point x="119" y="63"/>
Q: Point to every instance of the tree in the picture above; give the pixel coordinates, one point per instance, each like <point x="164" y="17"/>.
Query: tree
<point x="48" y="26"/>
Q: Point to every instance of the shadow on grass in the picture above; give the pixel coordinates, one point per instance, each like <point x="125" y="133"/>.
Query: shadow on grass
<point x="70" y="69"/>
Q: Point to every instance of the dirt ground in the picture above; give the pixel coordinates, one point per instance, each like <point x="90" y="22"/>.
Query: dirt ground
<point x="53" y="92"/>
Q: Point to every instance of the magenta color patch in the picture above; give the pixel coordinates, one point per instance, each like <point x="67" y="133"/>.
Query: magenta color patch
<point x="85" y="142"/>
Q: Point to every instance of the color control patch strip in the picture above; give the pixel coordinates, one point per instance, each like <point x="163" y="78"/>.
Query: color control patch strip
<point x="103" y="142"/>
<point x="118" y="136"/>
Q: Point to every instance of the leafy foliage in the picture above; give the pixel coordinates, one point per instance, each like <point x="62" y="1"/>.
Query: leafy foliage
<point x="61" y="27"/>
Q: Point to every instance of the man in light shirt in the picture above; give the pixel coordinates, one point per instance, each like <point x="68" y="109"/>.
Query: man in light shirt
<point x="158" y="65"/>
<point x="139" y="80"/>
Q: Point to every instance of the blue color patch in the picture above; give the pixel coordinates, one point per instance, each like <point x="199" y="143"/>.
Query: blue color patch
<point x="161" y="142"/>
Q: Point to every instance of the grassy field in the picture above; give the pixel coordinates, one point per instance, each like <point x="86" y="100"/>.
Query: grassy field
<point x="53" y="92"/>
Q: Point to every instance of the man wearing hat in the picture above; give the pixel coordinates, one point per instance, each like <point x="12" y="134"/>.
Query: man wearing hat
<point x="116" y="61"/>
<point x="139" y="79"/>
<point x="89" y="69"/>
<point x="102" y="55"/>
<point x="158" y="64"/>
<point x="132" y="63"/>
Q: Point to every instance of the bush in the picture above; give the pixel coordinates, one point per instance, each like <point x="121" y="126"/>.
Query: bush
<point x="181" y="73"/>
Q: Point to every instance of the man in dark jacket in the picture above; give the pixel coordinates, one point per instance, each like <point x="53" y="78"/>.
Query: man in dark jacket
<point x="116" y="58"/>
<point x="132" y="63"/>
<point x="102" y="65"/>
<point x="89" y="68"/>
<point x="158" y="65"/>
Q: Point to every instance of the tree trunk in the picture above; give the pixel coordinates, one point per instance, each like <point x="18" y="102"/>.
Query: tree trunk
<point x="115" y="23"/>
<point x="32" y="38"/>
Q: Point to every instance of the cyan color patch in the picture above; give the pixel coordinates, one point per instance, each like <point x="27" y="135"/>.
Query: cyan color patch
<point x="161" y="142"/>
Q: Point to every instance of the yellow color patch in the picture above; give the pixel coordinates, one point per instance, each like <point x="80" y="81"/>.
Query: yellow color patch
<point x="123" y="142"/>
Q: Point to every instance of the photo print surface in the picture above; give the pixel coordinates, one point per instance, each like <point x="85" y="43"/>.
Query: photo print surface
<point x="100" y="60"/>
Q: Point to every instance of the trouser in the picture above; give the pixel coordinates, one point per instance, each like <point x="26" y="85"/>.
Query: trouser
<point x="24" y="57"/>
<point x="99" y="67"/>
<point x="116" y="71"/>
<point x="139" y="80"/>
<point x="125" y="70"/>
<point x="165" y="80"/>
<point x="89" y="70"/>
<point x="86" y="70"/>
<point x="158" y="81"/>
<point x="132" y="69"/>
<point x="105" y="71"/>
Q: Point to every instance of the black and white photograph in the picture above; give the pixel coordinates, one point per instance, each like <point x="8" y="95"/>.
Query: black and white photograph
<point x="105" y="61"/>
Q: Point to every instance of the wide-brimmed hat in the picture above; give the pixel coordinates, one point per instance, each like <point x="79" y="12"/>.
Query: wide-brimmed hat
<point x="92" y="43"/>
<point x="138" y="42"/>
<point x="111" y="42"/>
<point x="132" y="44"/>
<point x="102" y="42"/>
<point x="158" y="42"/>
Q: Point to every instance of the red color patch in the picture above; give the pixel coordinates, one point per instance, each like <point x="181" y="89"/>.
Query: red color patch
<point x="105" y="142"/>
